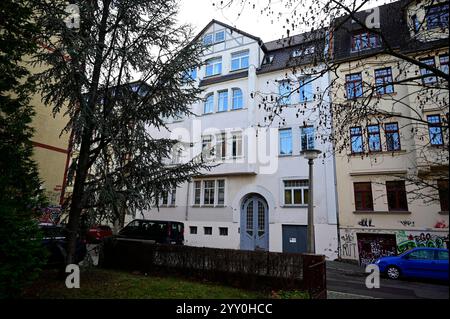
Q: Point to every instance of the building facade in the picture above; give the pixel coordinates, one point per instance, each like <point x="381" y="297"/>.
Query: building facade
<point x="256" y="197"/>
<point x="395" y="161"/>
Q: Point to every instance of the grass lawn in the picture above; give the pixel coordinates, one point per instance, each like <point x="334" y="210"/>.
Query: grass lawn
<point x="100" y="283"/>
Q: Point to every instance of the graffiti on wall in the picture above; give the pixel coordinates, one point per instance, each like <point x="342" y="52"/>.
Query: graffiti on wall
<point x="348" y="246"/>
<point x="373" y="246"/>
<point x="366" y="222"/>
<point x="50" y="214"/>
<point x="408" y="241"/>
<point x="441" y="224"/>
<point x="407" y="223"/>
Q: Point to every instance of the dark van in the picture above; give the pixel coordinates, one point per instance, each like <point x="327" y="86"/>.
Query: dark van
<point x="157" y="231"/>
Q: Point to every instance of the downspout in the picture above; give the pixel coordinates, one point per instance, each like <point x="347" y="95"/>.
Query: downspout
<point x="186" y="213"/>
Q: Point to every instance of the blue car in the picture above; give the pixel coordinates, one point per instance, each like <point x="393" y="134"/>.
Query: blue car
<point x="431" y="263"/>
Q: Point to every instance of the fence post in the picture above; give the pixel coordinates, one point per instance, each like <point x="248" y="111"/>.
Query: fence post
<point x="314" y="275"/>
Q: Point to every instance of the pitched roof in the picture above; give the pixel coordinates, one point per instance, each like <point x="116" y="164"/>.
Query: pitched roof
<point x="260" y="42"/>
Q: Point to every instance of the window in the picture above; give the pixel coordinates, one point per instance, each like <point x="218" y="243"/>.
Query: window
<point x="208" y="39"/>
<point x="237" y="99"/>
<point x="208" y="192"/>
<point x="435" y="130"/>
<point x="306" y="91"/>
<point x="296" y="192"/>
<point x="207" y="230"/>
<point x="437" y="16"/>
<point x="396" y="195"/>
<point x="424" y="72"/>
<point x="193" y="230"/>
<point x="285" y="141"/>
<point x="373" y="132"/>
<point x="307" y="138"/>
<point x="443" y="194"/>
<point x="415" y="23"/>
<point x="207" y="146"/>
<point x="421" y="254"/>
<point x="284" y="89"/>
<point x="190" y="75"/>
<point x="213" y="66"/>
<point x="364" y="41"/>
<point x="173" y="196"/>
<point x="209" y="104"/>
<point x="392" y="137"/>
<point x="267" y="59"/>
<point x="356" y="140"/>
<point x="236" y="145"/>
<point x="220" y="192"/>
<point x="221" y="147"/>
<point x="383" y="81"/>
<point x="223" y="101"/>
<point x="363" y="196"/>
<point x="223" y="231"/>
<point x="164" y="198"/>
<point x="219" y="36"/>
<point x="443" y="62"/>
<point x="353" y="86"/>
<point x="239" y="60"/>
<point x="197" y="192"/>
<point x="442" y="255"/>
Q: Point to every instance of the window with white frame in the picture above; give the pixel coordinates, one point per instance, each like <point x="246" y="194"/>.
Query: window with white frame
<point x="237" y="99"/>
<point x="296" y="192"/>
<point x="197" y="192"/>
<point x="219" y="36"/>
<point x="221" y="146"/>
<point x="168" y="197"/>
<point x="220" y="192"/>
<point x="236" y="144"/>
<point x="207" y="146"/>
<point x="306" y="90"/>
<point x="208" y="39"/>
<point x="209" y="104"/>
<point x="307" y="138"/>
<point x="210" y="192"/>
<point x="239" y="60"/>
<point x="285" y="136"/>
<point x="284" y="89"/>
<point x="213" y="66"/>
<point x="223" y="101"/>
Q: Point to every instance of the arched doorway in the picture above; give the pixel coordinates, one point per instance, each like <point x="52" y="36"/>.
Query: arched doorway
<point x="254" y="223"/>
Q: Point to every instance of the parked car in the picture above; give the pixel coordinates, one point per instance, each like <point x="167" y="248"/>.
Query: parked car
<point x="157" y="231"/>
<point x="97" y="233"/>
<point x="429" y="263"/>
<point x="55" y="240"/>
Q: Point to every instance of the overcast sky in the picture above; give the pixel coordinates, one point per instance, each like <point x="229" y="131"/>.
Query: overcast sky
<point x="200" y="12"/>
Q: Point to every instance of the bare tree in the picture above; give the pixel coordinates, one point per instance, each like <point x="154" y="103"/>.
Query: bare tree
<point x="405" y="34"/>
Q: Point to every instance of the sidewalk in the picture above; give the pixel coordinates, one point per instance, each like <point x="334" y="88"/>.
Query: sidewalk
<point x="346" y="268"/>
<point x="343" y="295"/>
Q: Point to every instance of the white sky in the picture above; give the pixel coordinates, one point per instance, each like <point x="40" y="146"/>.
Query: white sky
<point x="199" y="12"/>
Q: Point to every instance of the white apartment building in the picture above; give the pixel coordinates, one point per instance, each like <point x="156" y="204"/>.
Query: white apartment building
<point x="256" y="197"/>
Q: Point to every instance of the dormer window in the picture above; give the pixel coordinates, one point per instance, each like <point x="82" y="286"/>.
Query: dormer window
<point x="296" y="53"/>
<point x="268" y="59"/>
<point x="437" y="16"/>
<point x="299" y="52"/>
<point x="364" y="41"/>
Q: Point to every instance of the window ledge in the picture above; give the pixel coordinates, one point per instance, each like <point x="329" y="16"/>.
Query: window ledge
<point x="295" y="206"/>
<point x="237" y="70"/>
<point x="376" y="153"/>
<point x="443" y="212"/>
<point x="391" y="212"/>
<point x="378" y="95"/>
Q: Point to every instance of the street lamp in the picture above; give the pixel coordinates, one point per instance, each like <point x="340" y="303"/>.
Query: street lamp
<point x="311" y="155"/>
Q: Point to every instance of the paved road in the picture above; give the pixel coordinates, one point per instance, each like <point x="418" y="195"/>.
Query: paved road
<point x="346" y="281"/>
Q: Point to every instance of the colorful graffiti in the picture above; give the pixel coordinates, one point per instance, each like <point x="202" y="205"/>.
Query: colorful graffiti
<point x="50" y="215"/>
<point x="373" y="246"/>
<point x="441" y="224"/>
<point x="406" y="242"/>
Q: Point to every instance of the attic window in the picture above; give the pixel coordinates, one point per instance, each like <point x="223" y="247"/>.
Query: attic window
<point x="300" y="52"/>
<point x="296" y="53"/>
<point x="268" y="59"/>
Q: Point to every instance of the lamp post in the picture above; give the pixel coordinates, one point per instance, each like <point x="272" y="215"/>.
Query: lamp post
<point x="311" y="155"/>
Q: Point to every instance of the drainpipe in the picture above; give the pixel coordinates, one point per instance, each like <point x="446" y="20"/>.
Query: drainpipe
<point x="186" y="213"/>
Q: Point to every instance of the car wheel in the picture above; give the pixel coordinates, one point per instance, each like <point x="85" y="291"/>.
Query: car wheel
<point x="393" y="272"/>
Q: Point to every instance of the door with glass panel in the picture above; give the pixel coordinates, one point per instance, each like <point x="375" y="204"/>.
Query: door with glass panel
<point x="254" y="224"/>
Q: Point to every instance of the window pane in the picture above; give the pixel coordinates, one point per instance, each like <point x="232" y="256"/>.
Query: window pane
<point x="353" y="83"/>
<point x="209" y="104"/>
<point x="356" y="140"/>
<point x="392" y="137"/>
<point x="298" y="196"/>
<point x="287" y="197"/>
<point x="424" y="72"/>
<point x="223" y="101"/>
<point x="237" y="99"/>
<point x="220" y="36"/>
<point x="307" y="138"/>
<point x="374" y="138"/>
<point x="435" y="130"/>
<point x="396" y="194"/>
<point x="285" y="142"/>
<point x="306" y="91"/>
<point x="284" y="91"/>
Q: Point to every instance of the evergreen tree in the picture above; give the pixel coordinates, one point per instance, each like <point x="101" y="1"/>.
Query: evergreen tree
<point x="21" y="252"/>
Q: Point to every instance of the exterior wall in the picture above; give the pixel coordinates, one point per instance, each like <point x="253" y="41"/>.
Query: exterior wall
<point x="423" y="219"/>
<point x="250" y="175"/>
<point x="50" y="147"/>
